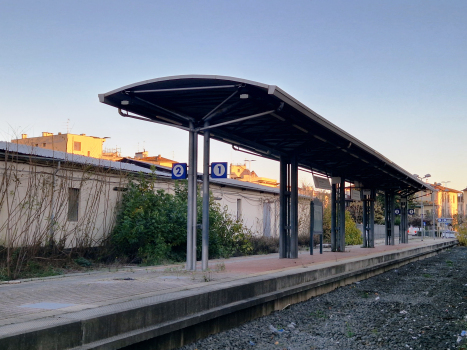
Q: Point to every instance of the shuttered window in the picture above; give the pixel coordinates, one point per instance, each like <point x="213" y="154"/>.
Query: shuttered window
<point x="73" y="204"/>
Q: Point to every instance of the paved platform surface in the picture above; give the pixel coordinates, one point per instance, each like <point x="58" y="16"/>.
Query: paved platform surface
<point x="46" y="298"/>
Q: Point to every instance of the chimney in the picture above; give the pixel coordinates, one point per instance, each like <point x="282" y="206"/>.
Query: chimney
<point x="24" y="136"/>
<point x="141" y="155"/>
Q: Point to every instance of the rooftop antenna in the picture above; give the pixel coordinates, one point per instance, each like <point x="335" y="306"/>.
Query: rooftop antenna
<point x="68" y="126"/>
<point x="249" y="163"/>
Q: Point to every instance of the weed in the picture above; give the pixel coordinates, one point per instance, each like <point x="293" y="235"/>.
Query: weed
<point x="348" y="330"/>
<point x="174" y="269"/>
<point x="365" y="295"/>
<point x="83" y="262"/>
<point x="318" y="314"/>
<point x="3" y="274"/>
<point x="207" y="276"/>
<point x="34" y="269"/>
<point x="449" y="262"/>
<point x="374" y="331"/>
<point x="220" y="267"/>
<point x="426" y="275"/>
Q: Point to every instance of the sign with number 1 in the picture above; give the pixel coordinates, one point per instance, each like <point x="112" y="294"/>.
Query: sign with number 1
<point x="219" y="170"/>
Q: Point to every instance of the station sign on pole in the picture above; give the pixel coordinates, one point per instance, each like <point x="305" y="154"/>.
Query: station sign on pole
<point x="410" y="211"/>
<point x="355" y="194"/>
<point x="322" y="183"/>
<point x="445" y="220"/>
<point x="179" y="171"/>
<point x="219" y="170"/>
<point x="316" y="223"/>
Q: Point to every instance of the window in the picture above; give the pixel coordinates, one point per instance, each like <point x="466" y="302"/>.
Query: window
<point x="239" y="208"/>
<point x="267" y="219"/>
<point x="77" y="146"/>
<point x="89" y="153"/>
<point x="73" y="204"/>
<point x="44" y="144"/>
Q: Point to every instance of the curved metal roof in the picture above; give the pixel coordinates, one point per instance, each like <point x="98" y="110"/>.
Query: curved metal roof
<point x="263" y="119"/>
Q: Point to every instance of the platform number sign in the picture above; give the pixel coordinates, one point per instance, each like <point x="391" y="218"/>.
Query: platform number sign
<point x="411" y="211"/>
<point x="179" y="171"/>
<point x="219" y="170"/>
<point x="397" y="211"/>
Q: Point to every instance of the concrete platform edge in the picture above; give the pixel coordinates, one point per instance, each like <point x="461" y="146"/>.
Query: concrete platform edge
<point x="172" y="319"/>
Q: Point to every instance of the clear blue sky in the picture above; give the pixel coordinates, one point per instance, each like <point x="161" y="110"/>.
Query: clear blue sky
<point x="391" y="73"/>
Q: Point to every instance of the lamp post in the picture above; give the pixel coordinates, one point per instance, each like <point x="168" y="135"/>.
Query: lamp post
<point x="433" y="207"/>
<point x="249" y="164"/>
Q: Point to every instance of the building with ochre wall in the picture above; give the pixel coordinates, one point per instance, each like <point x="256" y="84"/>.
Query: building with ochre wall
<point x="242" y="173"/>
<point x="444" y="202"/>
<point x="83" y="145"/>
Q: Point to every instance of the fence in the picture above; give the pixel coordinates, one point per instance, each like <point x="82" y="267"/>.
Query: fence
<point x="380" y="231"/>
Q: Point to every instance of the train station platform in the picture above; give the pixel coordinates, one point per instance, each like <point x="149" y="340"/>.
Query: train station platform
<point x="164" y="307"/>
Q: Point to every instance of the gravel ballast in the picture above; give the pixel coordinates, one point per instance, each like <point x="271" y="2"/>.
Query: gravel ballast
<point x="422" y="305"/>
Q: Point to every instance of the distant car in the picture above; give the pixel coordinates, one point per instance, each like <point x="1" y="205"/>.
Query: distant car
<point x="448" y="234"/>
<point x="414" y="231"/>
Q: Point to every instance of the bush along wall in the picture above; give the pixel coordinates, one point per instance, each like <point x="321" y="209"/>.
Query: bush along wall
<point x="353" y="236"/>
<point x="151" y="226"/>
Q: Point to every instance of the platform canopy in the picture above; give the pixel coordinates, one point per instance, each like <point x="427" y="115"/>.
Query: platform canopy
<point x="262" y="119"/>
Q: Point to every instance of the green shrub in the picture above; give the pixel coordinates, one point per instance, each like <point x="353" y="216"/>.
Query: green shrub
<point x="353" y="236"/>
<point x="151" y="226"/>
<point x="461" y="234"/>
<point x="265" y="245"/>
<point x="81" y="261"/>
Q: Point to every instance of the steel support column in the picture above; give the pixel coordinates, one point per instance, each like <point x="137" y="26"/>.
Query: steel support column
<point x="369" y="220"/>
<point x="288" y="216"/>
<point x="293" y="208"/>
<point x="205" y="234"/>
<point x="283" y="230"/>
<point x="194" y="199"/>
<point x="365" y="226"/>
<point x="312" y="225"/>
<point x="341" y="232"/>
<point x="372" y="219"/>
<point x="389" y="217"/>
<point x="404" y="221"/>
<point x="189" y="220"/>
<point x="333" y="218"/>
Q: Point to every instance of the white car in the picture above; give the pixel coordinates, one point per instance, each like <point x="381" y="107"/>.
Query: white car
<point x="414" y="231"/>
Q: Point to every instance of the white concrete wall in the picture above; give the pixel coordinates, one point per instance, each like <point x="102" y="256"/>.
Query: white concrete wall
<point x="26" y="204"/>
<point x="26" y="199"/>
<point x="380" y="231"/>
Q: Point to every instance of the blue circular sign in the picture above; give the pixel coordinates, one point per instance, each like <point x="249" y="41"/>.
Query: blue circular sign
<point x="179" y="171"/>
